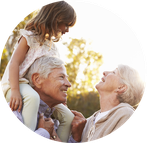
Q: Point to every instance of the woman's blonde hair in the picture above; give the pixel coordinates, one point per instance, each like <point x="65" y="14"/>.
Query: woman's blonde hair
<point x="48" y="18"/>
<point x="135" y="85"/>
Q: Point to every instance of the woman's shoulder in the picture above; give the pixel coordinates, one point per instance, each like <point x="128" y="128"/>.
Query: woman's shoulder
<point x="126" y="106"/>
<point x="125" y="109"/>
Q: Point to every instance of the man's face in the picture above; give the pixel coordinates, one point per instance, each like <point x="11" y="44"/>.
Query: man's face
<point x="56" y="85"/>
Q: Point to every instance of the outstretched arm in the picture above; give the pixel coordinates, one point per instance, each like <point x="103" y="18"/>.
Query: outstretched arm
<point x="17" y="59"/>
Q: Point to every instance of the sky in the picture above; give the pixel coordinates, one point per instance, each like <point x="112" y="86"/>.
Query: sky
<point x="110" y="35"/>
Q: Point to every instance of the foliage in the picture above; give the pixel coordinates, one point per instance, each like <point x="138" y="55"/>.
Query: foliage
<point x="83" y="71"/>
<point x="4" y="61"/>
<point x="15" y="34"/>
<point x="9" y="47"/>
<point x="86" y="103"/>
<point x="82" y="63"/>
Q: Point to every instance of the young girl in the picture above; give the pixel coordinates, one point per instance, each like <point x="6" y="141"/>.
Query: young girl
<point x="36" y="40"/>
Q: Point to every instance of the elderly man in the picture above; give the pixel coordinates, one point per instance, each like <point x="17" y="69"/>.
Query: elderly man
<point x="48" y="77"/>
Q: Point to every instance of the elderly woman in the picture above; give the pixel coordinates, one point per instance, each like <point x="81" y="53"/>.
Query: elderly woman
<point x="119" y="90"/>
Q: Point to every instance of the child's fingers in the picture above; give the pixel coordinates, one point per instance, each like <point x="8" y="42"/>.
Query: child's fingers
<point x="20" y="106"/>
<point x="12" y="104"/>
<point x="16" y="105"/>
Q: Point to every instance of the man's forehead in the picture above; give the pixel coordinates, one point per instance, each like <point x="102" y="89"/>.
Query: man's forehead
<point x="65" y="74"/>
<point x="59" y="71"/>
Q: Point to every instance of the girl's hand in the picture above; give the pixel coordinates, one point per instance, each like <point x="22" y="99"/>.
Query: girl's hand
<point x="15" y="100"/>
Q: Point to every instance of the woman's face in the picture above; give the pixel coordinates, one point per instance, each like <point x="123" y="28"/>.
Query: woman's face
<point x="109" y="82"/>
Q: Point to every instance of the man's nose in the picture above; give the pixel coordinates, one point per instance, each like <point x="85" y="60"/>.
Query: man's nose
<point x="67" y="83"/>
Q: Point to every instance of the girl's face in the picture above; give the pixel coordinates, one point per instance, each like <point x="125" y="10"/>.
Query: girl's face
<point x="63" y="28"/>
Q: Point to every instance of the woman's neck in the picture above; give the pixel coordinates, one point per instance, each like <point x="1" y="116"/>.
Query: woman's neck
<point x="108" y="101"/>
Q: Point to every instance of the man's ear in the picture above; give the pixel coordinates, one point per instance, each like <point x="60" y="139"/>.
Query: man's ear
<point x="121" y="89"/>
<point x="37" y="80"/>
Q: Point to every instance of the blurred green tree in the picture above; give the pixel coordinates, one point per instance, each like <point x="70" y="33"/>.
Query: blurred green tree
<point x="86" y="103"/>
<point x="15" y="33"/>
<point x="83" y="70"/>
<point x="4" y="61"/>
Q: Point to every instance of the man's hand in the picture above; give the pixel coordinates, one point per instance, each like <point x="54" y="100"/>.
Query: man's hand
<point x="46" y="123"/>
<point x="77" y="125"/>
<point x="55" y="137"/>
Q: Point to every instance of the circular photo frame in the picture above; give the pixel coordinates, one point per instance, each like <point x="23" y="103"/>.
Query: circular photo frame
<point x="103" y="37"/>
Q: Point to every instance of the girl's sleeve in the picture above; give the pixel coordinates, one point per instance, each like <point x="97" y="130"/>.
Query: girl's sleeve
<point x="27" y="35"/>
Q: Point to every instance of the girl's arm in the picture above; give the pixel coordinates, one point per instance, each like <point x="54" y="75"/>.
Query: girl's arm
<point x="17" y="59"/>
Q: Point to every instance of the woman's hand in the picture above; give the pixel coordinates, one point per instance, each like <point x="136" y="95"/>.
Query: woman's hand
<point x="77" y="125"/>
<point x="46" y="123"/>
<point x="15" y="100"/>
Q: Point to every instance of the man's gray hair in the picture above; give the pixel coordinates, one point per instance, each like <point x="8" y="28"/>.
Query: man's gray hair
<point x="44" y="66"/>
<point x="135" y="85"/>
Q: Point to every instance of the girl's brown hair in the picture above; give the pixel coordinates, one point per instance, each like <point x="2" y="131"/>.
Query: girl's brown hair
<point x="48" y="18"/>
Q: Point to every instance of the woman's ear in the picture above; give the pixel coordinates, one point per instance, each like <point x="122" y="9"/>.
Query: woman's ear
<point x="37" y="80"/>
<point x="121" y="89"/>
